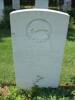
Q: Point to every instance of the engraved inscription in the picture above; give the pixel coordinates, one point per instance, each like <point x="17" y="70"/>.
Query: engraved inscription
<point x="38" y="30"/>
<point x="38" y="79"/>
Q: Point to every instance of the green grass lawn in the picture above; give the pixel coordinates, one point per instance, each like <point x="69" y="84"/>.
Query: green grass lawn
<point x="68" y="68"/>
<point x="64" y="92"/>
<point x="6" y="60"/>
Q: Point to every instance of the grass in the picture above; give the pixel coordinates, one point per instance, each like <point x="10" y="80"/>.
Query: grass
<point x="36" y="93"/>
<point x="6" y="62"/>
<point x="68" y="69"/>
<point x="66" y="91"/>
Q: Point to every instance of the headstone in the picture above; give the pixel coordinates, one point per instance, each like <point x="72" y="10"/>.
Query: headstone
<point x="1" y="8"/>
<point x="67" y="5"/>
<point x="41" y="4"/>
<point x="16" y="4"/>
<point x="38" y="40"/>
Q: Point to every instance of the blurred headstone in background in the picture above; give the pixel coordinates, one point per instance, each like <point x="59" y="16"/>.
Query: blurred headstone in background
<point x="67" y="5"/>
<point x="16" y="4"/>
<point x="41" y="4"/>
<point x="1" y="9"/>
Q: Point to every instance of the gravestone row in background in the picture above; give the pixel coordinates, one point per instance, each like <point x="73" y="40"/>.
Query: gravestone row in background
<point x="16" y="5"/>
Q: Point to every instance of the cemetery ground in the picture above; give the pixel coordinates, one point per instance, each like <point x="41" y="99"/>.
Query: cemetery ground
<point x="8" y="89"/>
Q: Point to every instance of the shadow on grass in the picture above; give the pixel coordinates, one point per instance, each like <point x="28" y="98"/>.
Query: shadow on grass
<point x="73" y="80"/>
<point x="5" y="24"/>
<point x="4" y="33"/>
<point x="65" y="92"/>
<point x="71" y="30"/>
<point x="71" y="35"/>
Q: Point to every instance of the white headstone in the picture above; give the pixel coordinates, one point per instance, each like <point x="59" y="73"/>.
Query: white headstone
<point x="67" y="5"/>
<point x="38" y="38"/>
<point x="1" y="8"/>
<point x="41" y="3"/>
<point x="16" y="4"/>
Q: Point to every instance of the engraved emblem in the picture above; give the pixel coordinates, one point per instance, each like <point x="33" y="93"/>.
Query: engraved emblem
<point x="38" y="30"/>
